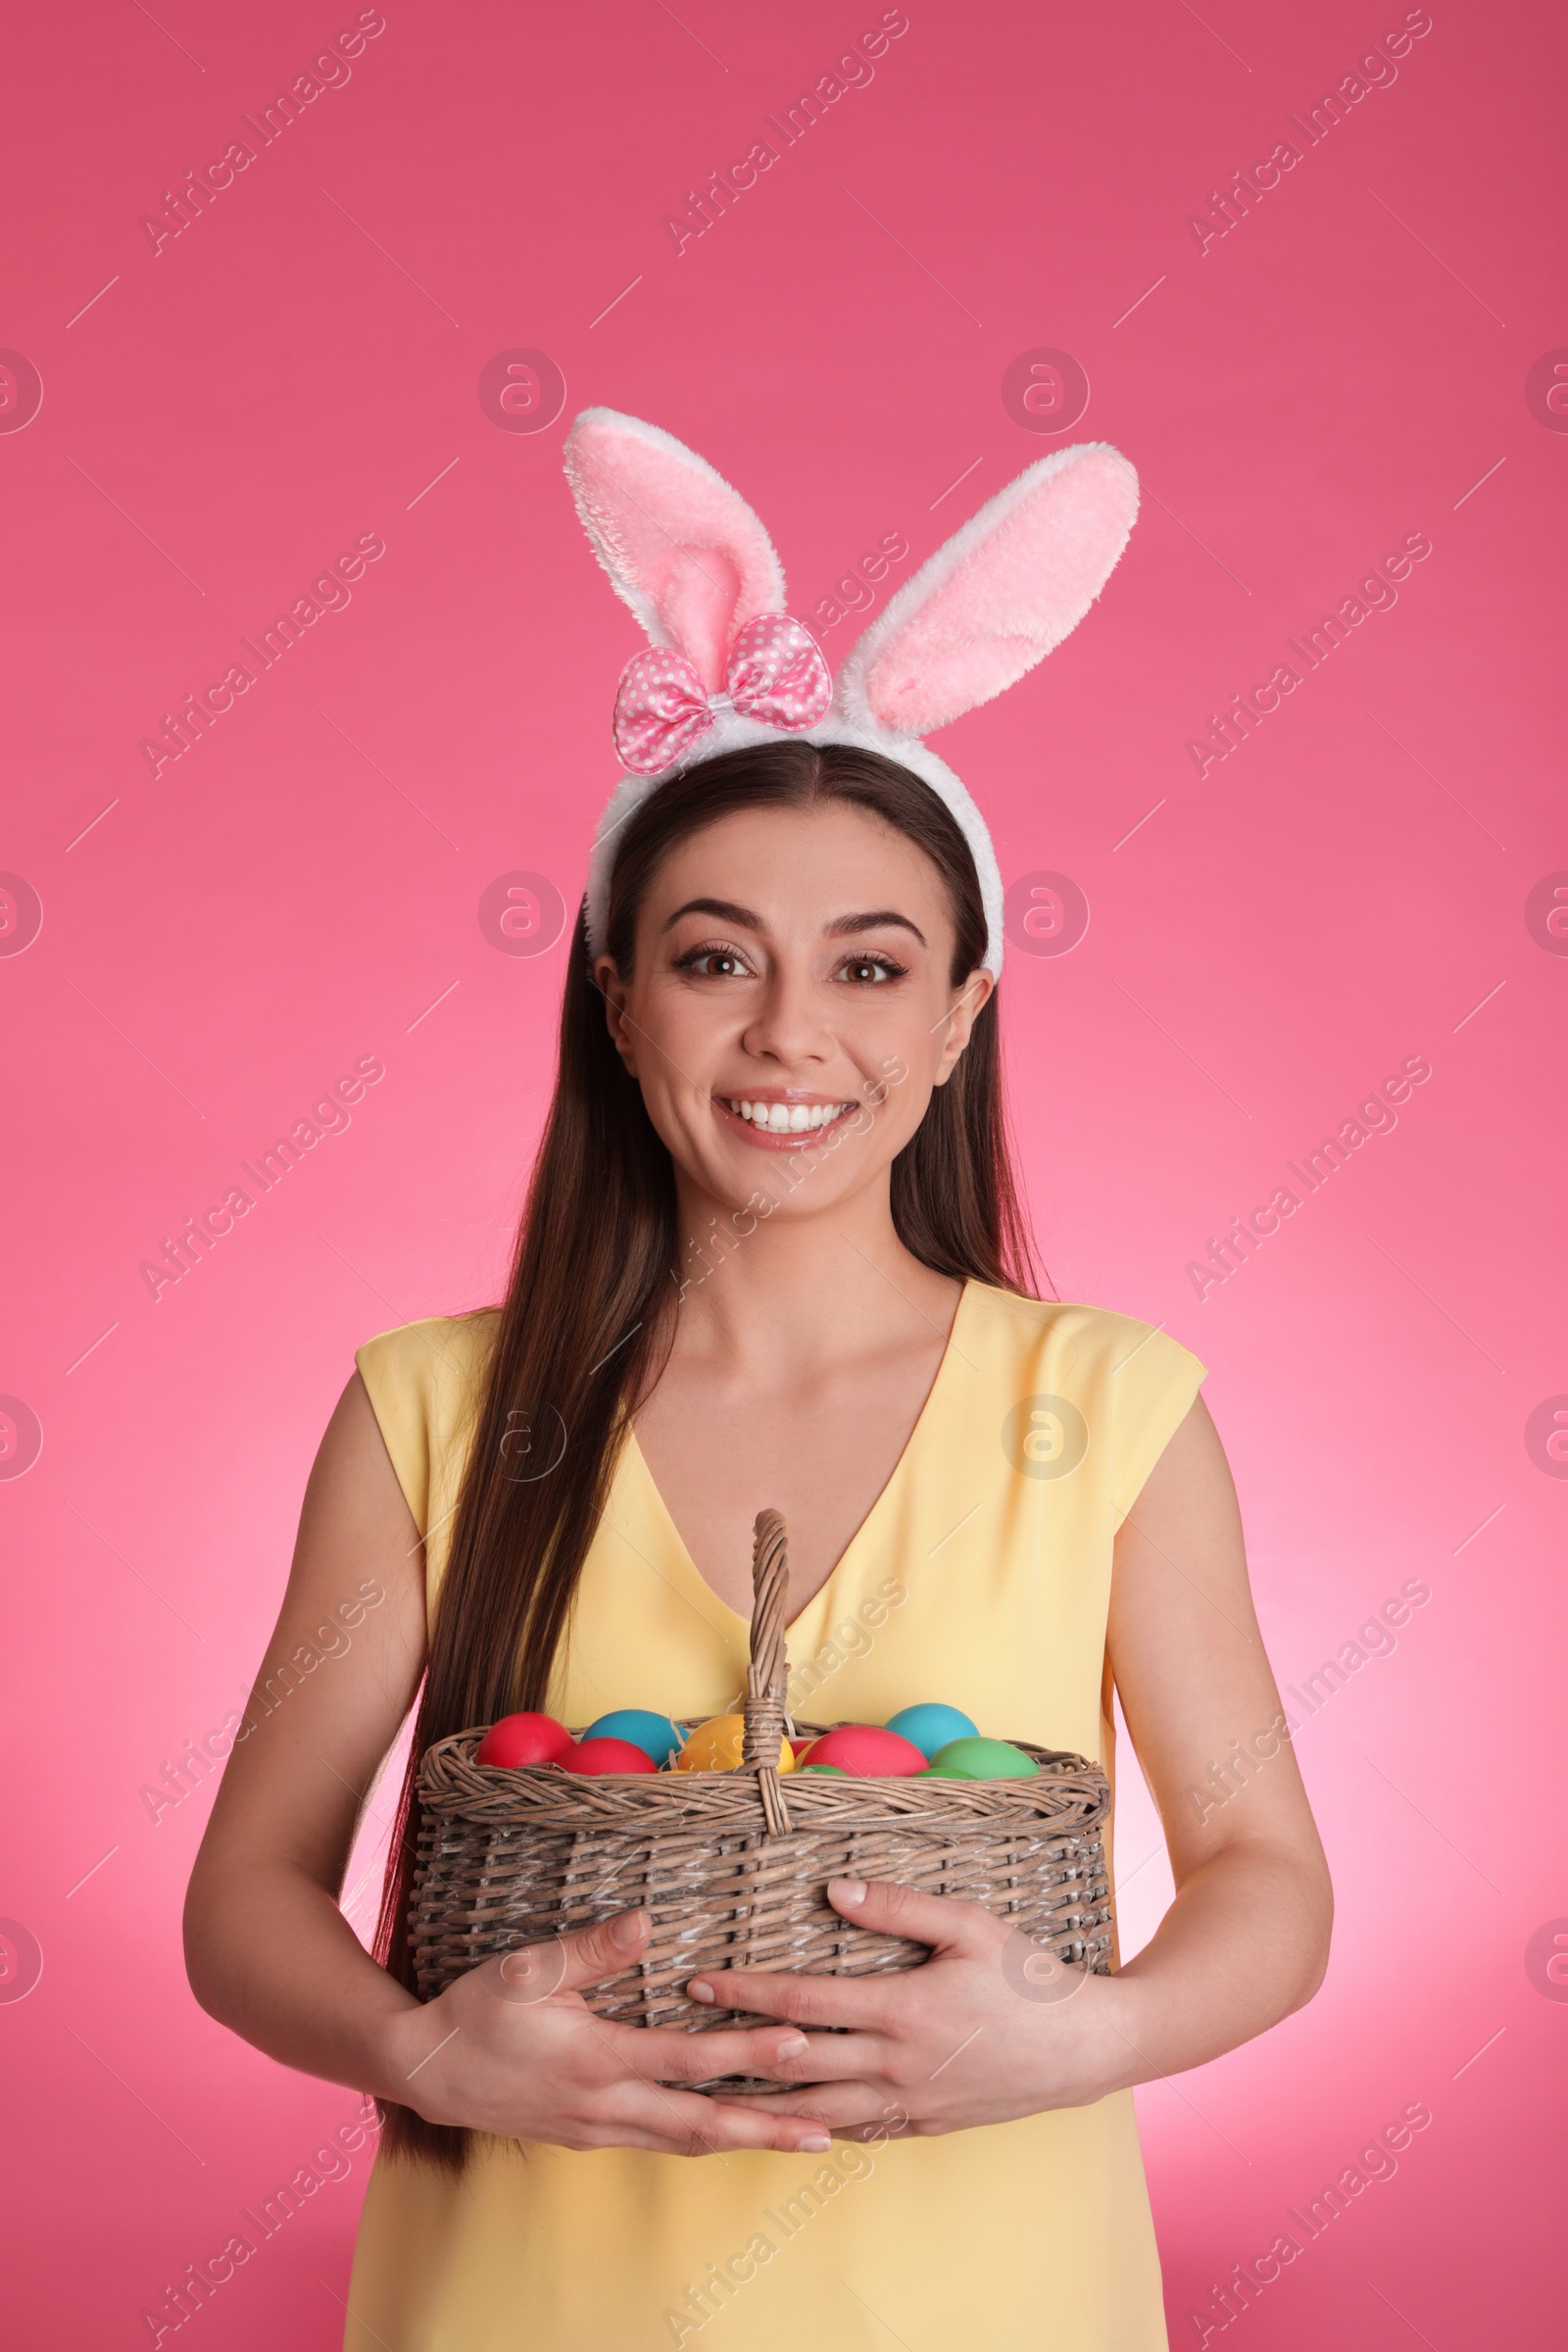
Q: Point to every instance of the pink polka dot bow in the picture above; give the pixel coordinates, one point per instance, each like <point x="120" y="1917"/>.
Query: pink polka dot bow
<point x="776" y="674"/>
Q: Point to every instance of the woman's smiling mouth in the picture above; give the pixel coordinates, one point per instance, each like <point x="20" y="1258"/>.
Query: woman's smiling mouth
<point x="782" y="1121"/>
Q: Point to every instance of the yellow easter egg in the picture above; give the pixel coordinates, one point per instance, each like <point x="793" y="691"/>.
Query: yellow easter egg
<point x="716" y="1747"/>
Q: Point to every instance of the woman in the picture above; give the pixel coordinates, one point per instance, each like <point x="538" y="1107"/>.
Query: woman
<point x="773" y="1255"/>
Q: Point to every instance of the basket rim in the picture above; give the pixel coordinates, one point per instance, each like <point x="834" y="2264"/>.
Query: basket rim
<point x="508" y="1773"/>
<point x="537" y="1795"/>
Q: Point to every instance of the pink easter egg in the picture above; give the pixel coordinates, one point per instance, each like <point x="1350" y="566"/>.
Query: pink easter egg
<point x="867" y="1751"/>
<point x="595" y="1756"/>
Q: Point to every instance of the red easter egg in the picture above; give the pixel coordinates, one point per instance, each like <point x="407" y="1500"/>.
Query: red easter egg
<point x="524" y="1739"/>
<point x="867" y="1751"/>
<point x="595" y="1756"/>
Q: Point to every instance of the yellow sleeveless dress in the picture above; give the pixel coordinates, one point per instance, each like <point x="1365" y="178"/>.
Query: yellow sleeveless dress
<point x="981" y="1577"/>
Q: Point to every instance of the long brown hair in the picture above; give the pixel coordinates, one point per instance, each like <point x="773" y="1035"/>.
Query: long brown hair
<point x="590" y="1307"/>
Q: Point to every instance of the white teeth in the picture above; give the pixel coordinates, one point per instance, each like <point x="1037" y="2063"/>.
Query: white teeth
<point x="787" y="1118"/>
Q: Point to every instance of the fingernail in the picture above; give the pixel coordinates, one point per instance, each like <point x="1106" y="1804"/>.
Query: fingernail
<point x="628" y="1928"/>
<point x="848" y="1890"/>
<point x="818" y="2145"/>
<point x="700" y="1989"/>
<point x="793" y="2045"/>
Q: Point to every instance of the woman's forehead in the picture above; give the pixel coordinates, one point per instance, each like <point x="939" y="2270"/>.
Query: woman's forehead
<point x="826" y="857"/>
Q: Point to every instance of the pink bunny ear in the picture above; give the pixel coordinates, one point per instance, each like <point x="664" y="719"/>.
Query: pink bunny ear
<point x="681" y="547"/>
<point x="1000" y="595"/>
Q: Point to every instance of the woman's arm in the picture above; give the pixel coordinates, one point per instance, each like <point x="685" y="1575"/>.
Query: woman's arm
<point x="512" y="2047"/>
<point x="977" y="2035"/>
<point x="1246" y="1939"/>
<point x="267" y="1949"/>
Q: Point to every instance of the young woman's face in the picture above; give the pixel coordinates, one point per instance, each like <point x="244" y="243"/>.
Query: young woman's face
<point x="790" y="1006"/>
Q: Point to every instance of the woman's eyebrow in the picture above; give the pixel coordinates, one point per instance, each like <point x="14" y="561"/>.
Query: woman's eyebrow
<point x="848" y="923"/>
<point x="844" y="927"/>
<point x="725" y="909"/>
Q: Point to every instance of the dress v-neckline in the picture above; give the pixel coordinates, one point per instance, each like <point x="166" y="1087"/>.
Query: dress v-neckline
<point x="895" y="1478"/>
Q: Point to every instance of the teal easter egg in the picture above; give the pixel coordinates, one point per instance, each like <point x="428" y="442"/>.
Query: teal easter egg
<point x="979" y="1759"/>
<point x="931" y="1726"/>
<point x="654" y="1735"/>
<point x="834" y="1772"/>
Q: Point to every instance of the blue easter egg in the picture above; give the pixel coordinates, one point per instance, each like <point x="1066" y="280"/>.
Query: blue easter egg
<point x="654" y="1735"/>
<point x="930" y="1726"/>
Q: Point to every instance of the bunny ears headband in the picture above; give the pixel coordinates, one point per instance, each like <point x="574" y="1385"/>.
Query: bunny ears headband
<point x="728" y="667"/>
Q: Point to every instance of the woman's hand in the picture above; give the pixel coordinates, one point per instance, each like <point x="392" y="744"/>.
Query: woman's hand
<point x="990" y="2028"/>
<point x="512" y="2048"/>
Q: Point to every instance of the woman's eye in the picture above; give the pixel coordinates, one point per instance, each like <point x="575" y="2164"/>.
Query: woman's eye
<point x="872" y="970"/>
<point x="714" y="963"/>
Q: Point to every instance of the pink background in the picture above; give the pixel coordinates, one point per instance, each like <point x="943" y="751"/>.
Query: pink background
<point x="299" y="367"/>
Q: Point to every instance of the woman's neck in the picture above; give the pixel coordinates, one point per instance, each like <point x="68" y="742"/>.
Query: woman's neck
<point x="770" y="1296"/>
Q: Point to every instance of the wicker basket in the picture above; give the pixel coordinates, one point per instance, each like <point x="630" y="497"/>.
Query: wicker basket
<point x="733" y="1866"/>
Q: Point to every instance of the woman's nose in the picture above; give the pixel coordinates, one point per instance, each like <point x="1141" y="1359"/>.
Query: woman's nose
<point x="792" y="1024"/>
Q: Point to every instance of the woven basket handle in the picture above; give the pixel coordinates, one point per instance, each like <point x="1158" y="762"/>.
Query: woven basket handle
<point x="768" y="1673"/>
